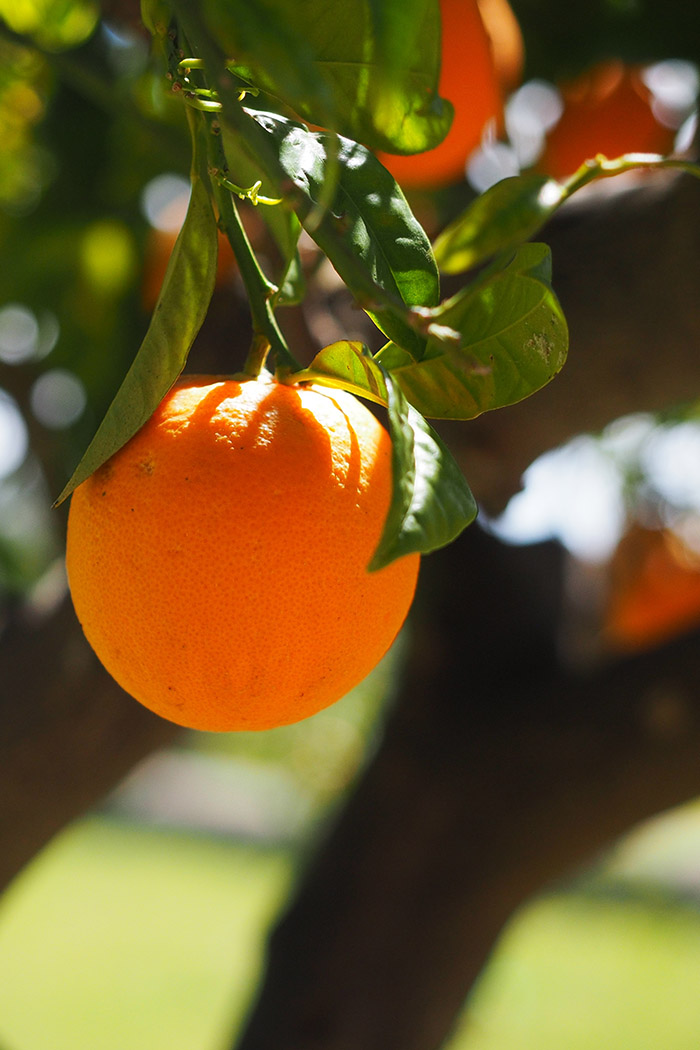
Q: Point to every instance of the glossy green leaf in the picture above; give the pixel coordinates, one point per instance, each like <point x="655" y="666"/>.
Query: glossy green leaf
<point x="431" y="501"/>
<point x="369" y="233"/>
<point x="365" y="68"/>
<point x="178" y="315"/>
<point x="498" y="221"/>
<point x="493" y="344"/>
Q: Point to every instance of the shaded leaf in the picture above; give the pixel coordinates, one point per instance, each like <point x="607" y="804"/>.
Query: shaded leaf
<point x="178" y="315"/>
<point x="498" y="221"/>
<point x="431" y="501"/>
<point x="493" y="344"/>
<point x="269" y="49"/>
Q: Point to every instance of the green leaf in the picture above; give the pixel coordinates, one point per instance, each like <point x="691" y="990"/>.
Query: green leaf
<point x="515" y="209"/>
<point x="431" y="501"/>
<point x="349" y="365"/>
<point x="267" y="47"/>
<point x="365" y="68"/>
<point x="498" y="221"/>
<point x="492" y="344"/>
<point x="369" y="234"/>
<point x="178" y="315"/>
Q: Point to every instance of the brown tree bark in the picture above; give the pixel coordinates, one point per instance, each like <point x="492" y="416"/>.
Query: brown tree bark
<point x="499" y="771"/>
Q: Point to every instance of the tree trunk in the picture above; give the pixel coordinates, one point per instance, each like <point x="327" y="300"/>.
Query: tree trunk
<point x="499" y="772"/>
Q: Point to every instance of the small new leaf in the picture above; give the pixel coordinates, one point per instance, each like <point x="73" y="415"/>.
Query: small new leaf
<point x="348" y="365"/>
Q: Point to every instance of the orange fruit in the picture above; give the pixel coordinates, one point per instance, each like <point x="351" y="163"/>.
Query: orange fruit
<point x="607" y="110"/>
<point x="468" y="78"/>
<point x="218" y="561"/>
<point x="655" y="589"/>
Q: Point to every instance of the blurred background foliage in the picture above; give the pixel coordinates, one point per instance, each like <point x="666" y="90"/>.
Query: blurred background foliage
<point x="143" y="925"/>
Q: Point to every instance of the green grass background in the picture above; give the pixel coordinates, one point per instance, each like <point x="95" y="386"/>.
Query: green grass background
<point x="123" y="937"/>
<point x="120" y="938"/>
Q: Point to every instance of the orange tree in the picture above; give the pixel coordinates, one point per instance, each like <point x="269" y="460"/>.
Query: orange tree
<point x="497" y="340"/>
<point x="494" y="730"/>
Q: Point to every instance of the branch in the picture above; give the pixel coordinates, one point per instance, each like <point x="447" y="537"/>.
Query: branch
<point x="69" y="733"/>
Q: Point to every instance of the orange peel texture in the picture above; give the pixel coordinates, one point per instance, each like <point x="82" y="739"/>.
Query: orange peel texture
<point x="218" y="562"/>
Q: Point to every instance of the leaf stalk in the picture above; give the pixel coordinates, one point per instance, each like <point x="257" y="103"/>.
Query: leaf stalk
<point x="261" y="291"/>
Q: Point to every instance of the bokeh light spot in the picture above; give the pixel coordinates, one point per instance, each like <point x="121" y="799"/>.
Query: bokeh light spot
<point x="14" y="440"/>
<point x="54" y="24"/>
<point x="164" y="202"/>
<point x="108" y="256"/>
<point x="57" y="399"/>
<point x="19" y="334"/>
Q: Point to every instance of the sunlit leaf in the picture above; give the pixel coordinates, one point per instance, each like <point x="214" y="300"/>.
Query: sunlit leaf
<point x="349" y="365"/>
<point x="494" y="344"/>
<point x="365" y="68"/>
<point x="498" y="221"/>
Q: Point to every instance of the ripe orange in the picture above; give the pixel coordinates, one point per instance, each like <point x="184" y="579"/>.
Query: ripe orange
<point x="468" y="78"/>
<point x="218" y="562"/>
<point x="607" y="110"/>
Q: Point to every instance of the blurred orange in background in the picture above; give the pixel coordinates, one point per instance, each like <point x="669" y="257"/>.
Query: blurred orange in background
<point x="654" y="589"/>
<point x="159" y="246"/>
<point x="482" y="59"/>
<point x="607" y="110"/>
